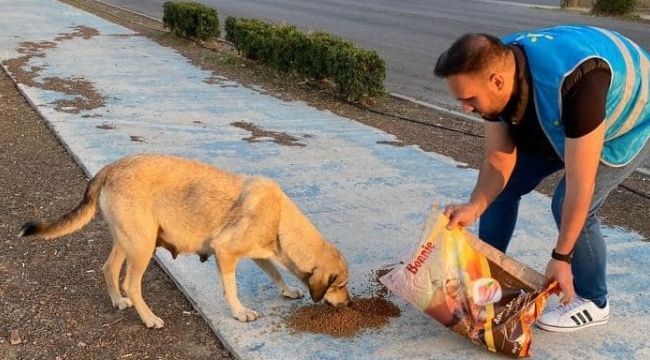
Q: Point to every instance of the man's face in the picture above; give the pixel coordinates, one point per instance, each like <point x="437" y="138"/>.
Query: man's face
<point x="479" y="93"/>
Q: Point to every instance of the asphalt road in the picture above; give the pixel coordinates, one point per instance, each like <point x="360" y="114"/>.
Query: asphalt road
<point x="408" y="34"/>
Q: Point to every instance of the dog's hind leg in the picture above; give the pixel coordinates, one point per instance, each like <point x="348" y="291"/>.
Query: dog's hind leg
<point x="111" y="270"/>
<point x="137" y="261"/>
<point x="270" y="270"/>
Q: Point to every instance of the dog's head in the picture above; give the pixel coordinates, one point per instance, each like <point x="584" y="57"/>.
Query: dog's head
<point x="329" y="279"/>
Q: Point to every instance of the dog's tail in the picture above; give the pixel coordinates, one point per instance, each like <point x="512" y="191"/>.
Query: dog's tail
<point x="75" y="219"/>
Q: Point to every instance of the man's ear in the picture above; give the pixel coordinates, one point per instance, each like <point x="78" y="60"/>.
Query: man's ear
<point x="497" y="81"/>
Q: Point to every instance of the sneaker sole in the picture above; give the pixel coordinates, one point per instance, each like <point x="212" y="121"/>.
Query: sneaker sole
<point x="564" y="329"/>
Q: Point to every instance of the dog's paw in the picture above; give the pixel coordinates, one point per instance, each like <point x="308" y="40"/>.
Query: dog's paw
<point x="123" y="303"/>
<point x="246" y="315"/>
<point x="154" y="322"/>
<point x="292" y="293"/>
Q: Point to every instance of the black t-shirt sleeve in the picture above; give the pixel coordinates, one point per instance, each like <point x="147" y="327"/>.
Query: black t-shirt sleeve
<point x="585" y="98"/>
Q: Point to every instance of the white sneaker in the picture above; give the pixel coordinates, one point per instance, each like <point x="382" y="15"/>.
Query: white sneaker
<point x="577" y="315"/>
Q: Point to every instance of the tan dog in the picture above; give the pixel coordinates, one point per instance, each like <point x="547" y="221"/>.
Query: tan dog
<point x="190" y="207"/>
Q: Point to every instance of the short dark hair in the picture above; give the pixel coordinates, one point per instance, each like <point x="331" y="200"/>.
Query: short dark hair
<point x="471" y="53"/>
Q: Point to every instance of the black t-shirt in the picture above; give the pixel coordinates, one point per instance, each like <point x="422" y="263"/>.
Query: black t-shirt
<point x="584" y="99"/>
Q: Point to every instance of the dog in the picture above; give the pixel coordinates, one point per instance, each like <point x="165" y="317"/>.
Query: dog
<point x="185" y="206"/>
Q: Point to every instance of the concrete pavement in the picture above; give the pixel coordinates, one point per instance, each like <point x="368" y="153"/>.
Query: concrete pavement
<point x="369" y="198"/>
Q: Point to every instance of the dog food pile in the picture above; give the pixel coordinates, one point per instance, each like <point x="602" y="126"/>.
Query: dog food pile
<point x="364" y="313"/>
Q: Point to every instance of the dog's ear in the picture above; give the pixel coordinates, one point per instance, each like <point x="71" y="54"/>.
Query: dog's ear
<point x="319" y="282"/>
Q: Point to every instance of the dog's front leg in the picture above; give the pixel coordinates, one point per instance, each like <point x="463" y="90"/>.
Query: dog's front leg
<point x="227" y="264"/>
<point x="273" y="273"/>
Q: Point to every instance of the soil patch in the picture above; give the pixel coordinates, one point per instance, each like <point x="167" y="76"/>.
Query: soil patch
<point x="258" y="134"/>
<point x="84" y="96"/>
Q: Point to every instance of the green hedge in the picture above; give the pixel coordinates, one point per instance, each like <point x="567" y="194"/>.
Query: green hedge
<point x="250" y="37"/>
<point x="358" y="73"/>
<point x="190" y="19"/>
<point x="614" y="7"/>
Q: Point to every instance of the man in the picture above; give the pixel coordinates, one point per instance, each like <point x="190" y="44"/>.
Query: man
<point x="566" y="98"/>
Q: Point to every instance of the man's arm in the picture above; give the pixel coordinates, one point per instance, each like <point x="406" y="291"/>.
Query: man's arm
<point x="581" y="159"/>
<point x="498" y="163"/>
<point x="583" y="115"/>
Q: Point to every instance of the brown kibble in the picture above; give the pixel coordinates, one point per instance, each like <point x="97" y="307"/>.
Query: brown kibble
<point x="364" y="313"/>
<point x="340" y="322"/>
<point x="377" y="287"/>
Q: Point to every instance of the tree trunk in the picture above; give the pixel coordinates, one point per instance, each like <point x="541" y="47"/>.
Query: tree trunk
<point x="576" y="3"/>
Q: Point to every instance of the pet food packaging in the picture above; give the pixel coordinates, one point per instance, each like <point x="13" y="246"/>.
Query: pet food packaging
<point x="471" y="288"/>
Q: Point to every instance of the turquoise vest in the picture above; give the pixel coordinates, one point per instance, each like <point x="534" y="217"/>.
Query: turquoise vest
<point x="554" y="53"/>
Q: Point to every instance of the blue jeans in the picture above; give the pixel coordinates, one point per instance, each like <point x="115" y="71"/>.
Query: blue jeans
<point x="589" y="258"/>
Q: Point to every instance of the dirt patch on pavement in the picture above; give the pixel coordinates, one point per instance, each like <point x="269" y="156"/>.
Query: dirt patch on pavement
<point x="258" y="134"/>
<point x="54" y="299"/>
<point x="83" y="93"/>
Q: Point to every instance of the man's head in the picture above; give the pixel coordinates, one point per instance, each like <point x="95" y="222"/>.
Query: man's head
<point x="479" y="70"/>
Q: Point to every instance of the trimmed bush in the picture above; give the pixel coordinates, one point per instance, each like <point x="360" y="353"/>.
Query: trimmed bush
<point x="190" y="19"/>
<point x="250" y="36"/>
<point x="324" y="54"/>
<point x="614" y="7"/>
<point x="289" y="49"/>
<point x="358" y="73"/>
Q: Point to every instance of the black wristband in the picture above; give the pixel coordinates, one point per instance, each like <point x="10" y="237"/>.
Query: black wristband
<point x="561" y="257"/>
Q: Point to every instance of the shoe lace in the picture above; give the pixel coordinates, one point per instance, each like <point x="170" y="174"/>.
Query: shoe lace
<point x="575" y="303"/>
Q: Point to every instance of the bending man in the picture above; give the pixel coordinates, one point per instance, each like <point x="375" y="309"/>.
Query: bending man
<point x="566" y="98"/>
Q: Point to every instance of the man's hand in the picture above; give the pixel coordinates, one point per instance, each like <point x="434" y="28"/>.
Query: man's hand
<point x="560" y="271"/>
<point x="461" y="215"/>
